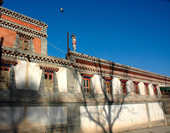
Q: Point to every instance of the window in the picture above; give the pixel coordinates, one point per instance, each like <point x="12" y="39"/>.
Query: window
<point x="23" y="44"/>
<point x="86" y="87"/>
<point x="4" y="77"/>
<point x="124" y="86"/>
<point x="48" y="81"/>
<point x="49" y="76"/>
<point x="86" y="83"/>
<point x="147" y="90"/>
<point x="107" y="82"/>
<point x="107" y="85"/>
<point x="136" y="87"/>
<point x="155" y="89"/>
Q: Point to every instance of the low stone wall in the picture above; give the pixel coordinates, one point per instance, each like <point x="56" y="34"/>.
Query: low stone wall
<point x="120" y="117"/>
<point x="25" y="118"/>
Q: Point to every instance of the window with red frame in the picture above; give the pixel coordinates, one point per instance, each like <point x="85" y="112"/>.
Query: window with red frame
<point x="23" y="43"/>
<point x="86" y="87"/>
<point x="48" y="81"/>
<point x="147" y="89"/>
<point x="124" y="86"/>
<point x="49" y="76"/>
<point x="108" y="86"/>
<point x="155" y="89"/>
<point x="136" y="87"/>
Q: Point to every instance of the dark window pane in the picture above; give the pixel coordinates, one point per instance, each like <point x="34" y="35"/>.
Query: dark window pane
<point x="45" y="76"/>
<point x="5" y="69"/>
<point x="87" y="83"/>
<point x="50" y="77"/>
<point x="25" y="45"/>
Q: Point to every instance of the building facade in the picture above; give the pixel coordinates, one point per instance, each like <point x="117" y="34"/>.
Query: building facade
<point x="82" y="93"/>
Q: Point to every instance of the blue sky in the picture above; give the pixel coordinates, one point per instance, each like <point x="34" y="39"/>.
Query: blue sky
<point x="131" y="32"/>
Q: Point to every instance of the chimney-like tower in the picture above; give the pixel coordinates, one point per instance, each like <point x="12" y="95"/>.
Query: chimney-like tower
<point x="74" y="41"/>
<point x="1" y="2"/>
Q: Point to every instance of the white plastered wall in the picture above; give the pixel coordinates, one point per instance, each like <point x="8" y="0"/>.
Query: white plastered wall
<point x="123" y="115"/>
<point x="27" y="75"/>
<point x="151" y="89"/>
<point x="155" y="111"/>
<point x="158" y="90"/>
<point x="98" y="85"/>
<point x="11" y="116"/>
<point x="142" y="88"/>
<point x="47" y="115"/>
<point x="130" y="87"/>
<point x="116" y="85"/>
<point x="62" y="79"/>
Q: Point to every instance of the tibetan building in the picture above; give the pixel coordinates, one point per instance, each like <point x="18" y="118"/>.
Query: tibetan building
<point x="82" y="93"/>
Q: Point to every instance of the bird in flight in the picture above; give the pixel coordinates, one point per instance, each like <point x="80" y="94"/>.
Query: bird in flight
<point x="61" y="9"/>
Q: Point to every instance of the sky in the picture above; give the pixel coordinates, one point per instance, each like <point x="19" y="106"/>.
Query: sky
<point x="130" y="32"/>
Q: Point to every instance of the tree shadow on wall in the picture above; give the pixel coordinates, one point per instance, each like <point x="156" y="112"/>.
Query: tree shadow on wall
<point x="14" y="106"/>
<point x="103" y="110"/>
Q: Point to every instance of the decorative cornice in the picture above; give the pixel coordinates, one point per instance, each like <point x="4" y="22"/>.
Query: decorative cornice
<point x="123" y="81"/>
<point x="34" y="57"/>
<point x="87" y="75"/>
<point x="25" y="36"/>
<point x="19" y="16"/>
<point x="48" y="60"/>
<point x="107" y="78"/>
<point x="135" y="82"/>
<point x="20" y="28"/>
<point x="125" y="68"/>
<point x="49" y="69"/>
<point x="7" y="63"/>
<point x="155" y="85"/>
<point x="146" y="84"/>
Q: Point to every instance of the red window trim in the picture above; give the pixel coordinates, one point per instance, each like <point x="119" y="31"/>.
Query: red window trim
<point x="108" y="89"/>
<point x="87" y="75"/>
<point x="146" y="87"/>
<point x="106" y="78"/>
<point x="124" y="86"/>
<point x="136" y="87"/>
<point x="155" y="89"/>
<point x="86" y="87"/>
<point x="48" y="75"/>
<point x="3" y="68"/>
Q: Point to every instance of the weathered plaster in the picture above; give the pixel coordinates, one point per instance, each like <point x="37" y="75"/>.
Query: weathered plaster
<point x="151" y="89"/>
<point x="121" y="116"/>
<point x="142" y="89"/>
<point x="116" y="84"/>
<point x="62" y="79"/>
<point x="156" y="112"/>
<point x="27" y="75"/>
<point x="130" y="87"/>
<point x="98" y="85"/>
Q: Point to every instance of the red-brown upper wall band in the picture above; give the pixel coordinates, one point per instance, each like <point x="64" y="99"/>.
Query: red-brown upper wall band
<point x="21" y="22"/>
<point x="115" y="69"/>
